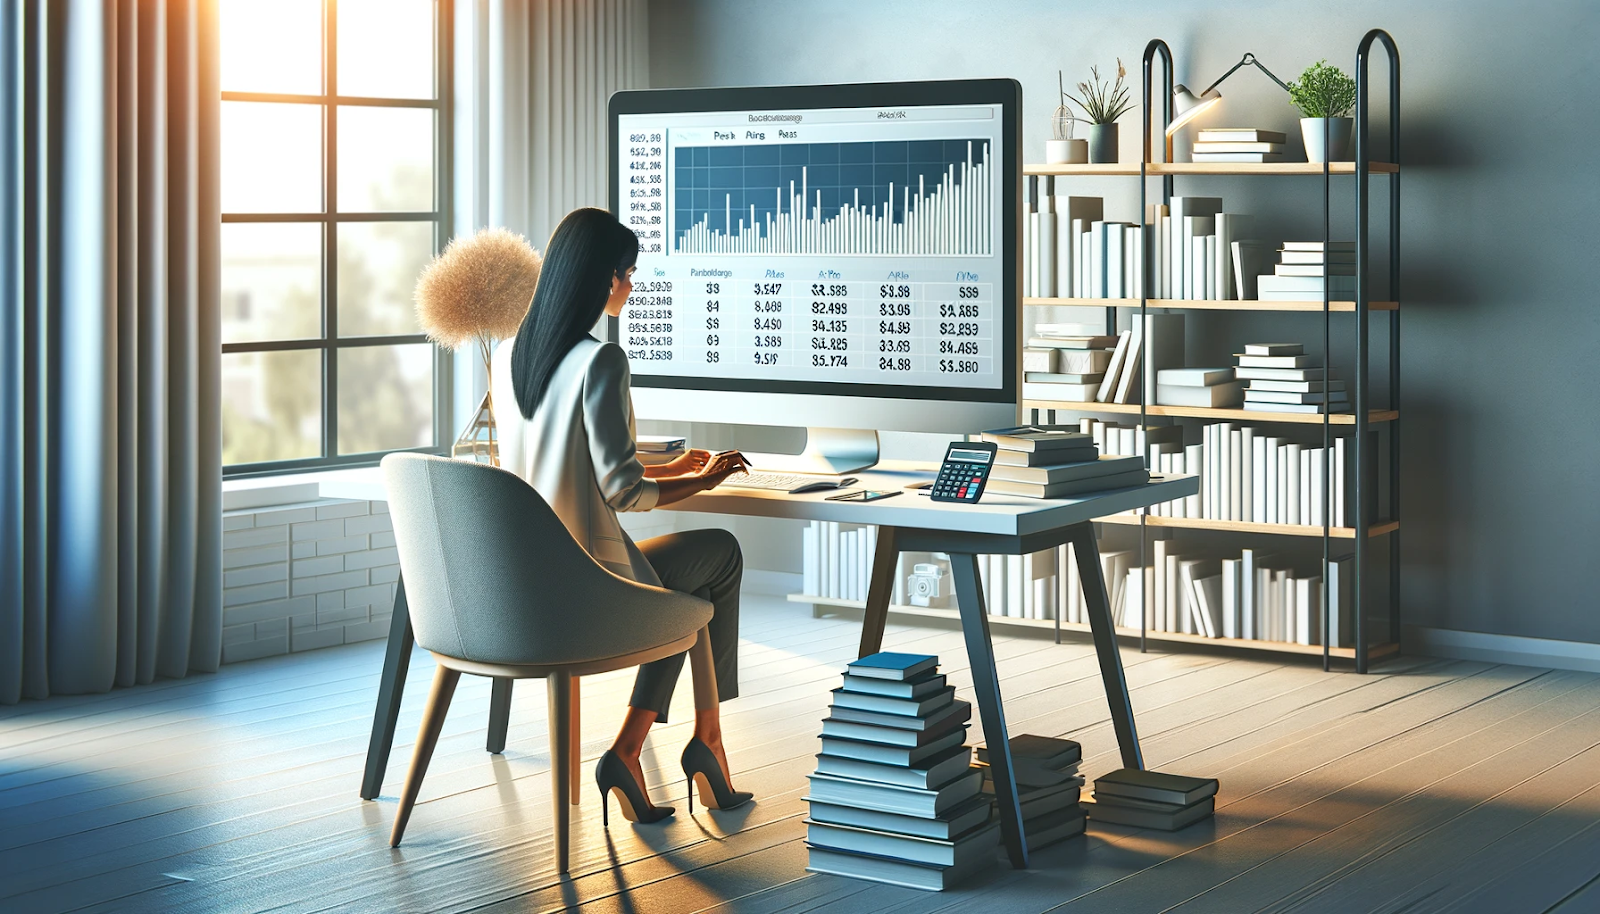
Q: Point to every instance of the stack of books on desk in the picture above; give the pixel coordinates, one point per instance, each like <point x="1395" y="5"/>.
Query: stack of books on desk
<point x="1281" y="378"/>
<point x="1305" y="267"/>
<point x="1056" y="461"/>
<point x="1046" y="772"/>
<point x="658" y="449"/>
<point x="1151" y="799"/>
<point x="894" y="798"/>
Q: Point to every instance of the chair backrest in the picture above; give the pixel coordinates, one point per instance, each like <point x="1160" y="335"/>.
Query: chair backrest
<point x="493" y="576"/>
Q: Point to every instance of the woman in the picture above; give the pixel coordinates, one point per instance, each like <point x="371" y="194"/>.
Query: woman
<point x="566" y="426"/>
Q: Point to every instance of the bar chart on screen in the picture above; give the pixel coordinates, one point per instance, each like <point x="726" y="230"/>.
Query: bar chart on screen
<point x="918" y="197"/>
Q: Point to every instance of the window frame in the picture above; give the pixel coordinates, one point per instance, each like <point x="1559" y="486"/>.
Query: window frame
<point x="328" y="341"/>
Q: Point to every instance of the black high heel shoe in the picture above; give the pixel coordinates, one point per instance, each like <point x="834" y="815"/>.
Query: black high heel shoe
<point x="611" y="774"/>
<point x="700" y="765"/>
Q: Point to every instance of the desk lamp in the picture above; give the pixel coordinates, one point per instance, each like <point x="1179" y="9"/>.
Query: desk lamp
<point x="1186" y="106"/>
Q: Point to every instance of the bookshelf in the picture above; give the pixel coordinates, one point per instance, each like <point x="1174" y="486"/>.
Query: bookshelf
<point x="1382" y="532"/>
<point x="914" y="613"/>
<point x="1337" y="307"/>
<point x="1160" y="169"/>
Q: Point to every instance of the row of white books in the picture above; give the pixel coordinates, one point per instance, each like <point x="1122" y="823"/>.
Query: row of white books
<point x="1196" y="251"/>
<point x="836" y="563"/>
<point x="1254" y="596"/>
<point x="1245" y="475"/>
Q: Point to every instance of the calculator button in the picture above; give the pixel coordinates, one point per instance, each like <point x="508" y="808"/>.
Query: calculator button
<point x="962" y="493"/>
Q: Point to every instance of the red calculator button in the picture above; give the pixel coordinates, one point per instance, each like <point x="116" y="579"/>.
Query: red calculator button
<point x="962" y="493"/>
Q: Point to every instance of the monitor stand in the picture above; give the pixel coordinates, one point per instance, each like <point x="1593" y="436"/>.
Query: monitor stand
<point x="828" y="450"/>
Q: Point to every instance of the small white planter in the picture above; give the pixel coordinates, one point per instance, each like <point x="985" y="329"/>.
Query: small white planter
<point x="1337" y="136"/>
<point x="1066" y="152"/>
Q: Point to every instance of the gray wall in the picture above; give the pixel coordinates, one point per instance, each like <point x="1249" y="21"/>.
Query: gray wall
<point x="1501" y="326"/>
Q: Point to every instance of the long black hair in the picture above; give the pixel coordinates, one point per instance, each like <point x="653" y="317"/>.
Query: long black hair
<point x="585" y="252"/>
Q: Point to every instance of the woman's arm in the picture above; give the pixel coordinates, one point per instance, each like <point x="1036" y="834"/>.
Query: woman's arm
<point x="608" y="416"/>
<point x="690" y="461"/>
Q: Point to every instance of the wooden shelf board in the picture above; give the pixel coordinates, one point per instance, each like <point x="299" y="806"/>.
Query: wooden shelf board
<point x="1203" y="305"/>
<point x="1282" y="647"/>
<point x="1239" y="526"/>
<point x="1374" y="415"/>
<point x="1211" y="168"/>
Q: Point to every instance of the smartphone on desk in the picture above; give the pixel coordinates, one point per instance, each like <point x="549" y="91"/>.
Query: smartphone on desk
<point x="863" y="495"/>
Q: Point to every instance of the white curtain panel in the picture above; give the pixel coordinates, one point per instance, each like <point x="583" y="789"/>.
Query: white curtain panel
<point x="110" y="440"/>
<point x="531" y="82"/>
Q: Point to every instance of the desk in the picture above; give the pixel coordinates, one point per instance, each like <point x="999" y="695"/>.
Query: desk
<point x="1000" y="525"/>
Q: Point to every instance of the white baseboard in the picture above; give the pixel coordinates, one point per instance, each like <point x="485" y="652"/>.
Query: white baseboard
<point x="774" y="583"/>
<point x="1513" y="649"/>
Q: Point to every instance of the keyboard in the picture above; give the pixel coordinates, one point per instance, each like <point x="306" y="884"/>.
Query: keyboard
<point x="787" y="482"/>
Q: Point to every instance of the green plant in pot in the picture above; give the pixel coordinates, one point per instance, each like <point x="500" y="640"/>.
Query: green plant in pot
<point x="1103" y="103"/>
<point x="1324" y="96"/>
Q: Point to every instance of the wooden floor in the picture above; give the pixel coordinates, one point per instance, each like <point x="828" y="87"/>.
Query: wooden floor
<point x="1430" y="785"/>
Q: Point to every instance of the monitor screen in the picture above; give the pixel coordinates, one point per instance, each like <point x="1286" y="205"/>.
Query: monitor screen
<point x="831" y="239"/>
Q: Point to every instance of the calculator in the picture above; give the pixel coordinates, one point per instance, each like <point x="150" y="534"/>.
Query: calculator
<point x="964" y="472"/>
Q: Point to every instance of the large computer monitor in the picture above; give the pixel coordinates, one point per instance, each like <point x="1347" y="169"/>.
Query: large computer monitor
<point x="842" y="258"/>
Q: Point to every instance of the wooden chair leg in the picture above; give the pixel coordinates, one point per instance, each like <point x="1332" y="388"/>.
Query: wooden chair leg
<point x="703" y="669"/>
<point x="575" y="748"/>
<point x="444" y="688"/>
<point x="499" y="714"/>
<point x="559" y="686"/>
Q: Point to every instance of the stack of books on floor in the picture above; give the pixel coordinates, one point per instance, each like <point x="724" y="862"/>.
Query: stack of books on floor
<point x="1046" y="461"/>
<point x="1304" y="267"/>
<point x="1211" y="388"/>
<point x="1048" y="784"/>
<point x="1151" y="799"/>
<point x="1238" y="145"/>
<point x="894" y="798"/>
<point x="658" y="449"/>
<point x="1282" y="378"/>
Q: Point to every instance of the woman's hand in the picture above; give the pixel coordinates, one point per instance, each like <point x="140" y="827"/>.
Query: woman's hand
<point x="720" y="467"/>
<point x="688" y="463"/>
<point x="717" y="468"/>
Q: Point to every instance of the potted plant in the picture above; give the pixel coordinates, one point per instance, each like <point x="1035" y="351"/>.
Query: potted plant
<point x="1324" y="96"/>
<point x="1103" y="103"/>
<point x="473" y="294"/>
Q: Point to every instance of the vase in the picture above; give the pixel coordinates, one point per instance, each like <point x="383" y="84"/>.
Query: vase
<point x="1337" y="136"/>
<point x="1065" y="152"/>
<point x="1102" y="144"/>
<point x="478" y="441"/>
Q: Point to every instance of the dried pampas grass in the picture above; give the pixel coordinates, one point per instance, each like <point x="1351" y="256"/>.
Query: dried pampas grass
<point x="478" y="290"/>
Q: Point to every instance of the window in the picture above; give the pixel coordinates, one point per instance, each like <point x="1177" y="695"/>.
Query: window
<point x="334" y="181"/>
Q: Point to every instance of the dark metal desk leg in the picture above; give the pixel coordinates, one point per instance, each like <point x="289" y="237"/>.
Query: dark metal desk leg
<point x="1098" y="606"/>
<point x="396" y="660"/>
<point x="499" y="714"/>
<point x="879" y="589"/>
<point x="986" y="682"/>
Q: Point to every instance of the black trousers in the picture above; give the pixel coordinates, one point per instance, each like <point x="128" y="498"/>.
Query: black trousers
<point x="707" y="564"/>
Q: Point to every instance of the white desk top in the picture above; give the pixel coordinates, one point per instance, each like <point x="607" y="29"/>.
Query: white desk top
<point x="998" y="514"/>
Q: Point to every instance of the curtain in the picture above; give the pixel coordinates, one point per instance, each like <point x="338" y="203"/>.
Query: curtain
<point x="110" y="437"/>
<point x="536" y="78"/>
<point x="532" y="78"/>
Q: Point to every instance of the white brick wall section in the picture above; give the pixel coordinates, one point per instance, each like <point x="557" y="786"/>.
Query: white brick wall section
<point x="306" y="576"/>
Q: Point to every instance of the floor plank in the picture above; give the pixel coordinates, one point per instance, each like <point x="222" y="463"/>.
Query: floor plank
<point x="1428" y="785"/>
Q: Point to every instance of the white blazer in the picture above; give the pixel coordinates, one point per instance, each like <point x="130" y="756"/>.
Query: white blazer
<point x="578" y="450"/>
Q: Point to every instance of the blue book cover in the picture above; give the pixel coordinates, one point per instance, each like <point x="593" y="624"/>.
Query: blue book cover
<point x="889" y="665"/>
